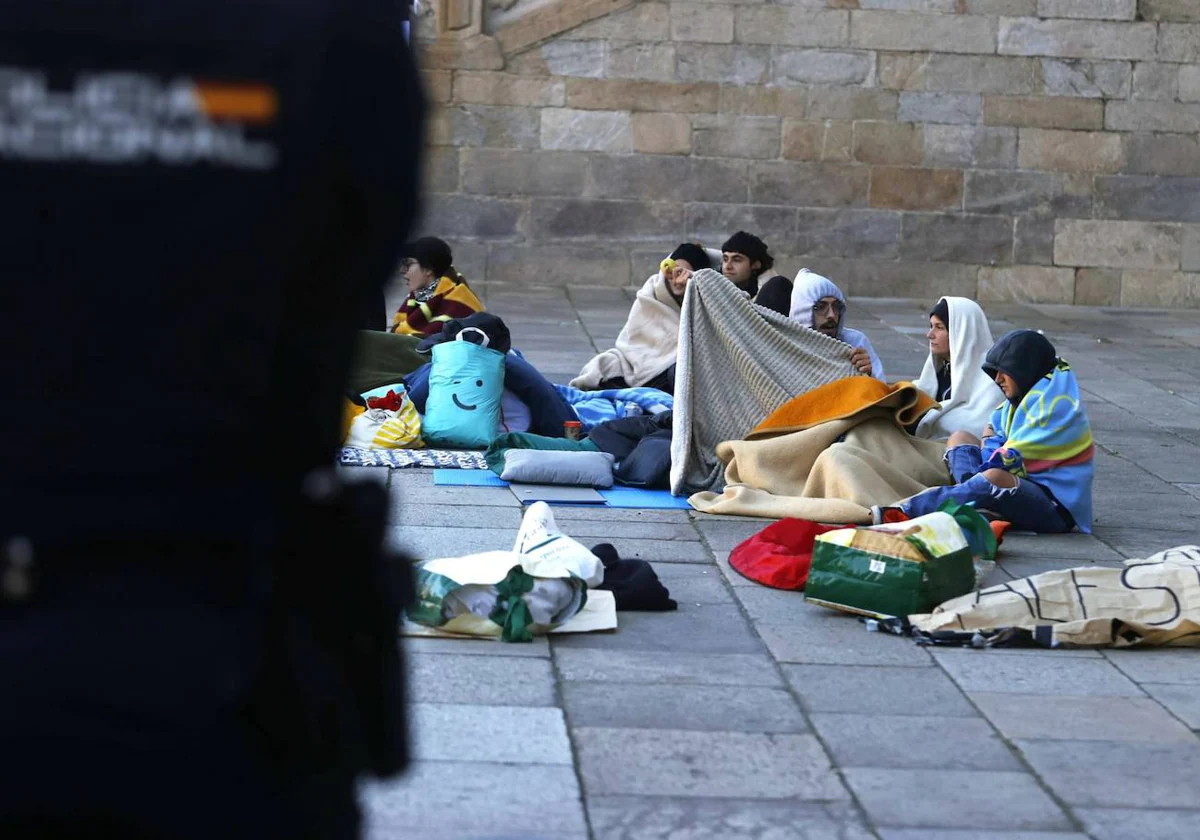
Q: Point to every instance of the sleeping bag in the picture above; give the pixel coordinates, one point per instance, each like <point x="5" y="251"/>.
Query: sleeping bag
<point x="465" y="385"/>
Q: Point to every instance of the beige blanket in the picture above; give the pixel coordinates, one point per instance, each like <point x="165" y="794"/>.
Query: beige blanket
<point x="647" y="343"/>
<point x="809" y="474"/>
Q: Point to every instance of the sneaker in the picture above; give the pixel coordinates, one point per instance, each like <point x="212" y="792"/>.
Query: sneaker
<point x="885" y="514"/>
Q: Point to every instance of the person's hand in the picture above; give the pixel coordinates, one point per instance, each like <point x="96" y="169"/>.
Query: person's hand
<point x="988" y="431"/>
<point x="679" y="279"/>
<point x="861" y="360"/>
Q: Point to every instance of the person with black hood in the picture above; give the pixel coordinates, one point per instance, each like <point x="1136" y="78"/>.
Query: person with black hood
<point x="744" y="260"/>
<point x="644" y="355"/>
<point x="1034" y="464"/>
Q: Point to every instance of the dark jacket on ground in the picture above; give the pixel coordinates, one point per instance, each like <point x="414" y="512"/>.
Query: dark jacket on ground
<point x="642" y="447"/>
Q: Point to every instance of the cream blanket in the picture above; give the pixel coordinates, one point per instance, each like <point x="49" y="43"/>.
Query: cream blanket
<point x="737" y="363"/>
<point x="810" y="475"/>
<point x="646" y="345"/>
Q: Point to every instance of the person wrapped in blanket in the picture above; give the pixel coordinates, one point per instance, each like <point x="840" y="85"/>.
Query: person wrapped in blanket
<point x="1034" y="464"/>
<point x="437" y="293"/>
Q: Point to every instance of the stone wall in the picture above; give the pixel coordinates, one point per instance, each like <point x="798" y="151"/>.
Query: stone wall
<point x="1034" y="150"/>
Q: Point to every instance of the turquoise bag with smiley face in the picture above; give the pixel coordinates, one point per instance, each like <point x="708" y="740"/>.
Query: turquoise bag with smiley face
<point x="466" y="382"/>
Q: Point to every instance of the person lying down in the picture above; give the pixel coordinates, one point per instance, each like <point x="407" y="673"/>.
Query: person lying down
<point x="644" y="355"/>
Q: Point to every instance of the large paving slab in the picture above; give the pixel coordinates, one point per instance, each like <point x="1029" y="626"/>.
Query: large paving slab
<point x="749" y="713"/>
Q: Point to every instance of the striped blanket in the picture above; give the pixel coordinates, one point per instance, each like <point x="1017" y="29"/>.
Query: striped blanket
<point x="737" y="363"/>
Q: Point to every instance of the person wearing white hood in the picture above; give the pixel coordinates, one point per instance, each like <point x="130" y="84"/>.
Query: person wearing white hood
<point x="820" y="305"/>
<point x="959" y="339"/>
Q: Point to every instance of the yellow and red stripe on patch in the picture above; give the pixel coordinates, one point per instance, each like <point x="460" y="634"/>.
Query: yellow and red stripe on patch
<point x="1037" y="466"/>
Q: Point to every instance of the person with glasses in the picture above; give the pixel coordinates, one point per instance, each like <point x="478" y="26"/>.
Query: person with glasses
<point x="820" y="305"/>
<point x="437" y="293"/>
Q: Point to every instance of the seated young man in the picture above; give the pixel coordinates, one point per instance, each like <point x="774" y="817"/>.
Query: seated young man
<point x="1034" y="465"/>
<point x="744" y="261"/>
<point x="819" y="304"/>
<point x="437" y="292"/>
<point x="645" y="351"/>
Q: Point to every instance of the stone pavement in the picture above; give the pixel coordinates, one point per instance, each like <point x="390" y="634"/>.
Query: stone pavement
<point x="751" y="714"/>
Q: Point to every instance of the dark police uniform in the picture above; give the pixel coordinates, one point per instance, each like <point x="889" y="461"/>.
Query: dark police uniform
<point x="198" y="200"/>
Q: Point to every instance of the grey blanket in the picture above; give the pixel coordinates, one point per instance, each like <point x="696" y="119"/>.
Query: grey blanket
<point x="737" y="363"/>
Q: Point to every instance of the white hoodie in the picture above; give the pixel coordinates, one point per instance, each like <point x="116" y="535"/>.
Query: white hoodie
<point x="808" y="288"/>
<point x="973" y="394"/>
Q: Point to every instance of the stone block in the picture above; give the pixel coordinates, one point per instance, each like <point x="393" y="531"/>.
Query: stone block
<point x="520" y="734"/>
<point x="668" y="762"/>
<point x="1070" y="151"/>
<point x="1080" y="77"/>
<point x="813" y="184"/>
<point x="888" y="143"/>
<point x="517" y="172"/>
<point x="1050" y="677"/>
<point x="839" y="142"/>
<point x="485" y="125"/>
<point x="981" y="74"/>
<point x="1155" y="775"/>
<point x="970" y="146"/>
<point x="1191" y="248"/>
<point x="895" y="188"/>
<point x="642" y="22"/>
<point x="527" y="30"/>
<point x="1040" y="112"/>
<point x="626" y="817"/>
<point x="1170" y="10"/>
<point x="1030" y="717"/>
<point x="641" y="96"/>
<point x="1189" y="83"/>
<point x="1097" y="287"/>
<point x="1088" y="9"/>
<point x="438" y="84"/>
<point x="555" y="218"/>
<point x="723" y="135"/>
<point x="575" y="58"/>
<point x="1155" y="81"/>
<point x="454" y="798"/>
<point x="713" y="223"/>
<point x="803" y="140"/>
<point x="589" y="131"/>
<point x="636" y="60"/>
<point x="675" y="179"/>
<point x="693" y="707"/>
<point x="729" y="64"/>
<point x="439" y="169"/>
<point x="1027" y="284"/>
<point x="1077" y="39"/>
<point x="965" y="239"/>
<point x="902" y="70"/>
<point x="792" y="26"/>
<point x="519" y="264"/>
<point x="982" y="799"/>
<point x="1164" y="154"/>
<point x="1122" y="823"/>
<point x="662" y="134"/>
<point x="761" y="101"/>
<point x="1152" y="116"/>
<point x="475" y="217"/>
<point x="705" y="628"/>
<point x="846" y="233"/>
<point x="838" y="642"/>
<point x="1183" y="701"/>
<point x="448" y="678"/>
<point x="507" y="89"/>
<point x="792" y="67"/>
<point x="879" y="30"/>
<point x="1032" y="193"/>
<point x="1147" y="198"/>
<point x="701" y="22"/>
<point x="897" y="741"/>
<point x="943" y="7"/>
<point x="1097" y="244"/>
<point x="1179" y="42"/>
<point x="1010" y="8"/>
<point x="1160" y="289"/>
<point x="614" y="666"/>
<point x="880" y="690"/>
<point x="833" y="103"/>
<point x="1033" y="240"/>
<point x="946" y="108"/>
<point x="906" y="279"/>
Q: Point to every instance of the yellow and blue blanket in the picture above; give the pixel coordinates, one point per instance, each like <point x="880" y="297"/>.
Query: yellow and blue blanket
<point x="1047" y="439"/>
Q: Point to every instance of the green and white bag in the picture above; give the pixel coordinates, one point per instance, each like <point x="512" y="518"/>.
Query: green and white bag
<point x="538" y="586"/>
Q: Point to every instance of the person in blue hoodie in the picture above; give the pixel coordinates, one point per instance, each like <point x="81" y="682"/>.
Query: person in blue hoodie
<point x="1034" y="464"/>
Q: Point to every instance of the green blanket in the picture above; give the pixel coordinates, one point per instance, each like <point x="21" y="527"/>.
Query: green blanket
<point x="383" y="359"/>
<point x="525" y="440"/>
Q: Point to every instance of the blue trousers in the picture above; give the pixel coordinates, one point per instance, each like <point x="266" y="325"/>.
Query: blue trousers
<point x="1027" y="506"/>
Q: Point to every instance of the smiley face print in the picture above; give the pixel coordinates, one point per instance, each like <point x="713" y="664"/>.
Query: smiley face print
<point x="457" y="383"/>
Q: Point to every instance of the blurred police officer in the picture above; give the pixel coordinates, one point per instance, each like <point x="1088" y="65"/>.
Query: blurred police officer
<point x="197" y="629"/>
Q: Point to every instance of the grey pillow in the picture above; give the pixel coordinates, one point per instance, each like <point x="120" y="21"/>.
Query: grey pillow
<point x="533" y="466"/>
